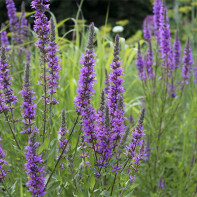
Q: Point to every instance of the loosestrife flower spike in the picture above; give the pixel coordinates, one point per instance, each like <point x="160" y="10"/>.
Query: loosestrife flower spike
<point x="34" y="168"/>
<point x="187" y="62"/>
<point x="177" y="51"/>
<point x="13" y="21"/>
<point x="147" y="32"/>
<point x="86" y="90"/>
<point x="149" y="61"/>
<point x="115" y="93"/>
<point x="156" y="11"/>
<point x="5" y="82"/>
<point x="3" y="172"/>
<point x="4" y="38"/>
<point x="27" y="105"/>
<point x="41" y="26"/>
<point x="53" y="64"/>
<point x="140" y="64"/>
<point x="165" y="41"/>
<point x="23" y="23"/>
<point x="135" y="150"/>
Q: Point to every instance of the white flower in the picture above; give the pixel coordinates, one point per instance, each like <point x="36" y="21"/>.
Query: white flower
<point x="118" y="29"/>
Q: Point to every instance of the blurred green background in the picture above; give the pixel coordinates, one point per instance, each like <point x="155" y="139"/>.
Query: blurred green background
<point x="119" y="12"/>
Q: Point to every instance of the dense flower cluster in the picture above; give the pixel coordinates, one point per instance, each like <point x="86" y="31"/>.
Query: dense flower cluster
<point x="187" y="62"/>
<point x="27" y="105"/>
<point x="13" y="20"/>
<point x="156" y="11"/>
<point x="115" y="94"/>
<point x="85" y="90"/>
<point x="34" y="168"/>
<point x="165" y="40"/>
<point x="4" y="38"/>
<point x="41" y="26"/>
<point x="147" y="28"/>
<point x="53" y="64"/>
<point x="140" y="64"/>
<point x="23" y="31"/>
<point x="177" y="52"/>
<point x="103" y="133"/>
<point x="149" y="62"/>
<point x="135" y="150"/>
<point x="5" y="83"/>
<point x="3" y="172"/>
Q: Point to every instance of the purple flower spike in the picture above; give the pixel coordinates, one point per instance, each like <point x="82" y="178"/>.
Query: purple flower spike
<point x="103" y="138"/>
<point x="23" y="23"/>
<point x="187" y="62"/>
<point x="53" y="64"/>
<point x="165" y="41"/>
<point x="13" y="20"/>
<point x="156" y="11"/>
<point x="149" y="61"/>
<point x="140" y="64"/>
<point x="4" y="38"/>
<point x="177" y="52"/>
<point x="86" y="90"/>
<point x="147" y="31"/>
<point x="115" y="96"/>
<point x="28" y="106"/>
<point x="34" y="168"/>
<point x="135" y="150"/>
<point x="5" y="82"/>
<point x="3" y="172"/>
<point x="41" y="26"/>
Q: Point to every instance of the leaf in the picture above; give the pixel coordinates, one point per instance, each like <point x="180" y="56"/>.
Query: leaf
<point x="105" y="193"/>
<point x="44" y="146"/>
<point x="92" y="181"/>
<point x="62" y="22"/>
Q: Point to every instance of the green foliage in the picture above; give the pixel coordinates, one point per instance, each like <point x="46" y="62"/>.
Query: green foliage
<point x="174" y="160"/>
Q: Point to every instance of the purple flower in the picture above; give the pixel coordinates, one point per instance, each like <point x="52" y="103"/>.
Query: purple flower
<point x="115" y="97"/>
<point x="140" y="64"/>
<point x="135" y="150"/>
<point x="41" y="25"/>
<point x="156" y="11"/>
<point x="172" y="90"/>
<point x="187" y="62"/>
<point x="5" y="82"/>
<point x="177" y="51"/>
<point x="149" y="61"/>
<point x="86" y="90"/>
<point x="23" y="30"/>
<point x="13" y="20"/>
<point x="27" y="105"/>
<point x="161" y="183"/>
<point x="4" y="38"/>
<point x="3" y="172"/>
<point x="165" y="41"/>
<point x="53" y="65"/>
<point x="116" y="167"/>
<point x="34" y="168"/>
<point x="147" y="28"/>
<point x="103" y="134"/>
